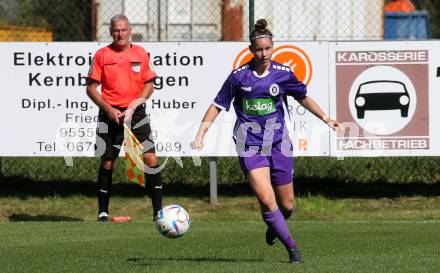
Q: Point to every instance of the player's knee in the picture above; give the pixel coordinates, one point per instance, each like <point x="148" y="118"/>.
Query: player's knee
<point x="289" y="204"/>
<point x="150" y="160"/>
<point x="293" y="205"/>
<point x="267" y="203"/>
<point x="107" y="164"/>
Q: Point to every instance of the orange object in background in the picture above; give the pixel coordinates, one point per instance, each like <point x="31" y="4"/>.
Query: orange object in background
<point x="232" y="17"/>
<point x="399" y="6"/>
<point x="24" y="34"/>
<point x="120" y="219"/>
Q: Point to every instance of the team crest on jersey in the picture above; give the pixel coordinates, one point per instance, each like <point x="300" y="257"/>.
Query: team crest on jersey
<point x="136" y="67"/>
<point x="274" y="89"/>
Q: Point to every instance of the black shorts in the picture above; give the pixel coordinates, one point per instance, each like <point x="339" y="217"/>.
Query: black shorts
<point x="109" y="141"/>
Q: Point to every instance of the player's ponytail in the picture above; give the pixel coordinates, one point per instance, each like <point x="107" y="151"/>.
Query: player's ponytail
<point x="260" y="31"/>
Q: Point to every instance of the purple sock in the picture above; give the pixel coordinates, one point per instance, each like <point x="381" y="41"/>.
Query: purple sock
<point x="275" y="220"/>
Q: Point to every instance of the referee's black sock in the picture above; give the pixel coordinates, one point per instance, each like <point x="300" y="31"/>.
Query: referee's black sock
<point x="154" y="186"/>
<point x="104" y="188"/>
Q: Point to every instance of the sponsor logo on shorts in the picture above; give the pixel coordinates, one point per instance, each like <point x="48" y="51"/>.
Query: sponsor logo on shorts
<point x="259" y="107"/>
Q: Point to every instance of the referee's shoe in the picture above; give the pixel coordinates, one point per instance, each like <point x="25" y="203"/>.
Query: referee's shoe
<point x="103" y="217"/>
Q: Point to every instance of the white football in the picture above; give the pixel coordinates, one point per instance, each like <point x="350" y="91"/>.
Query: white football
<point x="173" y="221"/>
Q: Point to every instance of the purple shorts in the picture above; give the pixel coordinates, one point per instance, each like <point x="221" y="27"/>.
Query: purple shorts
<point x="281" y="166"/>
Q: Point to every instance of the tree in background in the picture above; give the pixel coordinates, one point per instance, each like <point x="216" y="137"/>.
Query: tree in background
<point x="20" y="13"/>
<point x="68" y="20"/>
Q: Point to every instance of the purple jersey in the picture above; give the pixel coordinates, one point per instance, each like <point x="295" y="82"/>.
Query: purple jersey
<point x="259" y="102"/>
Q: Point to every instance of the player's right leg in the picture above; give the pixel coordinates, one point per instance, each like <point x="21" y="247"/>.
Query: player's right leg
<point x="109" y="137"/>
<point x="260" y="183"/>
<point x="104" y="188"/>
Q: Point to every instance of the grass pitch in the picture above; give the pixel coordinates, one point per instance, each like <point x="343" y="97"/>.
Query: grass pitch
<point x="46" y="229"/>
<point x="219" y="246"/>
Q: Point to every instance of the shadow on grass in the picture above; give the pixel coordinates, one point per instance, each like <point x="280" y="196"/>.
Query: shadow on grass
<point x="21" y="217"/>
<point x="196" y="260"/>
<point x="332" y="188"/>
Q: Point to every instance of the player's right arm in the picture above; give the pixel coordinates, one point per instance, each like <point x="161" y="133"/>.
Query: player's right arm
<point x="210" y="115"/>
<point x="94" y="78"/>
<point x="92" y="91"/>
<point x="221" y="102"/>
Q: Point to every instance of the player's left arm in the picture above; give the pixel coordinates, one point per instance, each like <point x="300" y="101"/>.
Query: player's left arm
<point x="147" y="91"/>
<point x="148" y="76"/>
<point x="310" y="104"/>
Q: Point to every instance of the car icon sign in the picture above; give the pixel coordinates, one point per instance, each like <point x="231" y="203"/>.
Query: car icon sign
<point x="381" y="95"/>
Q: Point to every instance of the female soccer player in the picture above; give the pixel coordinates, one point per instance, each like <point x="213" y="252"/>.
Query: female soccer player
<point x="258" y="90"/>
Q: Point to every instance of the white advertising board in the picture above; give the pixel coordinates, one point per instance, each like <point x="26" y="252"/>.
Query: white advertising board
<point x="47" y="111"/>
<point x="385" y="94"/>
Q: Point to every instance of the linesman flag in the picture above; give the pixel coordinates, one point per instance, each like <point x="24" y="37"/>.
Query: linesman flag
<point x="134" y="164"/>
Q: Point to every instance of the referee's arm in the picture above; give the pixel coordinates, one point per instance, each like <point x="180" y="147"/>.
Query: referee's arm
<point x="95" y="96"/>
<point x="145" y="94"/>
<point x="147" y="91"/>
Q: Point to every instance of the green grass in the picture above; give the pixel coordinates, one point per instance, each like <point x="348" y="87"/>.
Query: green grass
<point x="345" y="221"/>
<point x="218" y="246"/>
<point x="360" y="170"/>
<point x="60" y="234"/>
<point x="81" y="208"/>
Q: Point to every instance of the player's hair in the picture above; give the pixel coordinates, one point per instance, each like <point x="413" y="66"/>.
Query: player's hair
<point x="260" y="31"/>
<point x="119" y="17"/>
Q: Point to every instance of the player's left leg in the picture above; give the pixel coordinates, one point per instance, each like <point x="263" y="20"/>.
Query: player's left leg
<point x="141" y="128"/>
<point x="153" y="181"/>
<point x="286" y="199"/>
